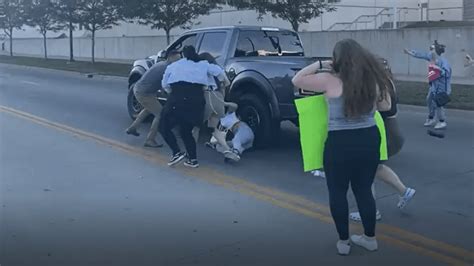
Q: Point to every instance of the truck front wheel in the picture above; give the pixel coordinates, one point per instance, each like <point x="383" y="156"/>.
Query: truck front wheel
<point x="257" y="115"/>
<point x="133" y="106"/>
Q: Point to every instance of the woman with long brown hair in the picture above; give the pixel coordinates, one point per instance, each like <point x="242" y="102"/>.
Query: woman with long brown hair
<point x="355" y="88"/>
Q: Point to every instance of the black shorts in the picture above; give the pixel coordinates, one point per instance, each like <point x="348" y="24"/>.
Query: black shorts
<point x="395" y="139"/>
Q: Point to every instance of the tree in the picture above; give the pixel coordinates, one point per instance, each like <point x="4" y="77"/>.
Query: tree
<point x="42" y="14"/>
<point x="296" y="12"/>
<point x="13" y="18"/>
<point x="168" y="14"/>
<point x="98" y="15"/>
<point x="67" y="14"/>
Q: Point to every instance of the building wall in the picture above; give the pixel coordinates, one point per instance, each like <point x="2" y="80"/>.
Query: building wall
<point x="468" y="13"/>
<point x="347" y="11"/>
<point x="386" y="43"/>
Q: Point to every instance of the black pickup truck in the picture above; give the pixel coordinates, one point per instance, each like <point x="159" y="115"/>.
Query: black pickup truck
<point x="260" y="63"/>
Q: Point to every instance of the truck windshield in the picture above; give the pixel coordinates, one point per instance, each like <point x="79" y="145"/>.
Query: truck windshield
<point x="268" y="43"/>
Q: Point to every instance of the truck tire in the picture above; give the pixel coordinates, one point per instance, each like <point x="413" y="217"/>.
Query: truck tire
<point x="257" y="115"/>
<point x="133" y="106"/>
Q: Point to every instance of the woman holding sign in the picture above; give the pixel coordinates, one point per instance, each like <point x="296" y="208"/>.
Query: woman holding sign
<point x="355" y="88"/>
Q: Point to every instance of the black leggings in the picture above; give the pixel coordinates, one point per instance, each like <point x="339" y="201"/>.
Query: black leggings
<point x="167" y="123"/>
<point x="352" y="156"/>
<point x="184" y="109"/>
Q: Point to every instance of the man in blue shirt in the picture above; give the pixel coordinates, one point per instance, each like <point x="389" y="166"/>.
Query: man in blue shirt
<point x="441" y="84"/>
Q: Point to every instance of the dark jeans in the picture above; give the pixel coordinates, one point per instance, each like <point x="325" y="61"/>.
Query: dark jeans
<point x="351" y="157"/>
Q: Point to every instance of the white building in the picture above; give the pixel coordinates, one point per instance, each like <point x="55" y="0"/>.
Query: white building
<point x="350" y="15"/>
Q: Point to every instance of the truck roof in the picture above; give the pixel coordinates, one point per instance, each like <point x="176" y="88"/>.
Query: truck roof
<point x="240" y="27"/>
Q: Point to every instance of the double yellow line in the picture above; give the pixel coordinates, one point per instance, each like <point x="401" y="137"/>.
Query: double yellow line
<point x="434" y="249"/>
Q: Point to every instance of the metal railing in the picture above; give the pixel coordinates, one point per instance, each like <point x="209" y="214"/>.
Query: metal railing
<point x="377" y="21"/>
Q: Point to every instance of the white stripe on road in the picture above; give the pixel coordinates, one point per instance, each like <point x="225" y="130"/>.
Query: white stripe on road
<point x="30" y="82"/>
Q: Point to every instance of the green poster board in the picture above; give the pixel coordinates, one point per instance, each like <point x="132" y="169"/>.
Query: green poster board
<point x="313" y="124"/>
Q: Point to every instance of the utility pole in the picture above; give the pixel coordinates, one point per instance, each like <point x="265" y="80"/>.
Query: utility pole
<point x="428" y="11"/>
<point x="394" y="3"/>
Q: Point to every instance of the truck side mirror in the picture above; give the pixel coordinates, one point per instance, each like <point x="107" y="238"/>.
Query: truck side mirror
<point x="161" y="54"/>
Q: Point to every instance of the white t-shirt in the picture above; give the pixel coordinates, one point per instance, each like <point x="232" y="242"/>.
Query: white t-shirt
<point x="229" y="120"/>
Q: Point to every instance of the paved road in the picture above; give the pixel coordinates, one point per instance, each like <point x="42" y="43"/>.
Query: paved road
<point x="75" y="190"/>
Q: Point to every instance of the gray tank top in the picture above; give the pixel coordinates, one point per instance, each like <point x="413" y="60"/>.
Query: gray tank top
<point x="338" y="121"/>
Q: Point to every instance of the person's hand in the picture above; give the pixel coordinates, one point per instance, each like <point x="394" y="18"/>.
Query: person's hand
<point x="468" y="61"/>
<point x="469" y="58"/>
<point x="327" y="64"/>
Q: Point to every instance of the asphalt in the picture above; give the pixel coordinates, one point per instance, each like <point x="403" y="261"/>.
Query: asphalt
<point x="76" y="190"/>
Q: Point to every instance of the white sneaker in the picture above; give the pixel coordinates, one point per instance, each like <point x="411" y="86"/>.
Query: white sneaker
<point x="406" y="198"/>
<point x="369" y="243"/>
<point x="319" y="173"/>
<point x="441" y="125"/>
<point x="231" y="155"/>
<point x="343" y="247"/>
<point x="429" y="122"/>
<point x="355" y="216"/>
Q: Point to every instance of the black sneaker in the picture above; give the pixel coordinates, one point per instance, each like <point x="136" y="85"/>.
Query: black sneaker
<point x="132" y="132"/>
<point x="193" y="163"/>
<point x="178" y="157"/>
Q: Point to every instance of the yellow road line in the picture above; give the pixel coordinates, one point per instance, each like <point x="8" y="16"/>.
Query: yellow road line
<point x="393" y="235"/>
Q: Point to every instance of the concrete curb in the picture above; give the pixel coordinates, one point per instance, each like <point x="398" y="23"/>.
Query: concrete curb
<point x="66" y="72"/>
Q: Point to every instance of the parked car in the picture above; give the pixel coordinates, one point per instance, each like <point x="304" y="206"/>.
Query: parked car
<point x="260" y="63"/>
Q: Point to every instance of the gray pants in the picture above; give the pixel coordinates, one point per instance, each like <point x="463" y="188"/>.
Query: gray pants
<point x="151" y="105"/>
<point x="434" y="111"/>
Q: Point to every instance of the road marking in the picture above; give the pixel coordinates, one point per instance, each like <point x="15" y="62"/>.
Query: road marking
<point x="434" y="249"/>
<point x="30" y="82"/>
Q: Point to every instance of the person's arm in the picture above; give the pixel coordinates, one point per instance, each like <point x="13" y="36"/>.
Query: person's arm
<point x="224" y="80"/>
<point x="419" y="54"/>
<point x="386" y="103"/>
<point x="164" y="81"/>
<point x="216" y="71"/>
<point x="307" y="78"/>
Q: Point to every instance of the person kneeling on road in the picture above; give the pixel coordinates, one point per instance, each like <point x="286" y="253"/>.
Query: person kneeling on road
<point x="243" y="135"/>
<point x="145" y="91"/>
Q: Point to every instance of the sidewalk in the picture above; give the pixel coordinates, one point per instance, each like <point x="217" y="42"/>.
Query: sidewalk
<point x="455" y="80"/>
<point x="86" y="59"/>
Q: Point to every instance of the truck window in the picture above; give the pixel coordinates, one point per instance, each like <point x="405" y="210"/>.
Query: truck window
<point x="186" y="40"/>
<point x="268" y="43"/>
<point x="213" y="43"/>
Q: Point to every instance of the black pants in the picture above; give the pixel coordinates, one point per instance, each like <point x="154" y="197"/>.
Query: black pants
<point x="167" y="123"/>
<point x="351" y="157"/>
<point x="184" y="109"/>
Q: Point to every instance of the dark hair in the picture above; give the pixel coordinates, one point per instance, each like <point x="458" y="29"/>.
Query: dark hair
<point x="360" y="72"/>
<point x="208" y="57"/>
<point x="439" y="48"/>
<point x="189" y="52"/>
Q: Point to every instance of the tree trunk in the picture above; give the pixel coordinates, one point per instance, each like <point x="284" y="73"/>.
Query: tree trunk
<point x="71" y="43"/>
<point x="93" y="46"/>
<point x="45" y="47"/>
<point x="295" y="25"/>
<point x="11" y="41"/>
<point x="168" y="36"/>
